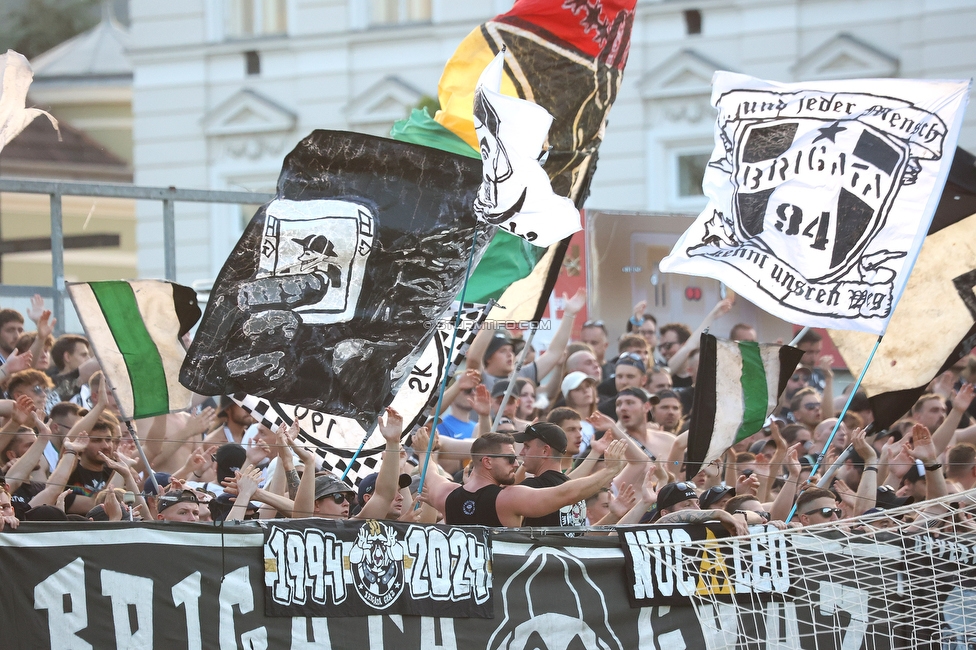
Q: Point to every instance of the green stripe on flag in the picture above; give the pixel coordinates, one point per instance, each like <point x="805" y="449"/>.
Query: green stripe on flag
<point x="754" y="393"/>
<point x="118" y="304"/>
<point x="508" y="258"/>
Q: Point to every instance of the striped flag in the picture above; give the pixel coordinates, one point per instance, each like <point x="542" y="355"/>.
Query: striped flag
<point x="737" y="388"/>
<point x="135" y="330"/>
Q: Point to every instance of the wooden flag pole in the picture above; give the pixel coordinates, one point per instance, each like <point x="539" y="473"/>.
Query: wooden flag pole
<point x="840" y="418"/>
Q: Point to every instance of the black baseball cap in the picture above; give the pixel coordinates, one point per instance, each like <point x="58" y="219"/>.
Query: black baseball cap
<point x="627" y="360"/>
<point x="500" y="340"/>
<point x="713" y="495"/>
<point x="229" y="458"/>
<point x="368" y="484"/>
<point x="640" y="394"/>
<point x="674" y="493"/>
<point x="547" y="432"/>
<point x="500" y="387"/>
<point x="171" y="499"/>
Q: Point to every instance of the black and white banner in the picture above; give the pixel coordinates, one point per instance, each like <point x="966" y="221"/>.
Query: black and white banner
<point x="336" y="438"/>
<point x="314" y="567"/>
<point x="515" y="192"/>
<point x="174" y="586"/>
<point x="821" y="193"/>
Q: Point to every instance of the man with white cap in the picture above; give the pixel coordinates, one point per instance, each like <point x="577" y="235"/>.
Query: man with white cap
<point x="579" y="392"/>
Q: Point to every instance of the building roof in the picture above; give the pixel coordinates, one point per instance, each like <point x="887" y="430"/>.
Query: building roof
<point x="37" y="152"/>
<point x="96" y="55"/>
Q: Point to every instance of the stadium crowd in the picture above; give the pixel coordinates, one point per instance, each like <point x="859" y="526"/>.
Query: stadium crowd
<point x="593" y="433"/>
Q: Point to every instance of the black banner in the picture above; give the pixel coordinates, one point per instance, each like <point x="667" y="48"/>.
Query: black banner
<point x="316" y="567"/>
<point x="176" y="586"/>
<point x="336" y="285"/>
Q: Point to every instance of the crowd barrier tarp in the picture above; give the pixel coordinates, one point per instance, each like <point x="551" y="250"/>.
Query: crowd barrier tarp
<point x="164" y="585"/>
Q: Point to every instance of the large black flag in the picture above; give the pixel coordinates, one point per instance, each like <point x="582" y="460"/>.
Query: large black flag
<point x="337" y="283"/>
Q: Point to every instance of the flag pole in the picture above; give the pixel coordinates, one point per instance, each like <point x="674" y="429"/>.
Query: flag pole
<point x="799" y="335"/>
<point x="840" y="418"/>
<point x="142" y="454"/>
<point x="362" y="444"/>
<point x="132" y="432"/>
<point x="533" y="327"/>
<point x="443" y="388"/>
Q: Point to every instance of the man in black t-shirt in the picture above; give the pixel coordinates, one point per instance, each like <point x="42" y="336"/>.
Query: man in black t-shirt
<point x="92" y="473"/>
<point x="543" y="445"/>
<point x="489" y="498"/>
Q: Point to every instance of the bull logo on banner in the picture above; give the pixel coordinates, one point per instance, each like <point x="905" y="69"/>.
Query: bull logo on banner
<point x="376" y="560"/>
<point x="817" y="196"/>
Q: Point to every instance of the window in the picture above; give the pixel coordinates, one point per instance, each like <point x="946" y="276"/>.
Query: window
<point x="693" y="21"/>
<point x="249" y="18"/>
<point x="252" y="62"/>
<point x="690" y="169"/>
<point x="393" y="12"/>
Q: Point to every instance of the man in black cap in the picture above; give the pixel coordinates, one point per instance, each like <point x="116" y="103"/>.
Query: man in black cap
<point x="178" y="506"/>
<point x="489" y="496"/>
<point x="543" y="448"/>
<point x="677" y="503"/>
<point x="368" y="485"/>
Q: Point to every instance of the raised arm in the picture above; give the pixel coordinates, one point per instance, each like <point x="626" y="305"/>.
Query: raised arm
<point x="436" y="487"/>
<point x="960" y="404"/>
<point x="21" y="470"/>
<point x="45" y="326"/>
<point x="391" y="428"/>
<point x="14" y="364"/>
<point x="867" y="489"/>
<point x="475" y="359"/>
<point x="90" y="418"/>
<point x="548" y="360"/>
<point x="195" y="426"/>
<point x="783" y="503"/>
<point x="924" y="450"/>
<point x="466" y="381"/>
<point x="536" y="502"/>
<point x="677" y="362"/>
<point x="247" y="484"/>
<point x="305" y="496"/>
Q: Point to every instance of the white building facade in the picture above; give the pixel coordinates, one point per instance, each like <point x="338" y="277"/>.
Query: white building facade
<point x="223" y="89"/>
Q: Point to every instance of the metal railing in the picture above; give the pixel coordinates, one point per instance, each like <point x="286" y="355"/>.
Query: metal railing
<point x="57" y="189"/>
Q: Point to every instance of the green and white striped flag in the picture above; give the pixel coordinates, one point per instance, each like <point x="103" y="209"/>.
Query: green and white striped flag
<point x="135" y="330"/>
<point x="736" y="389"/>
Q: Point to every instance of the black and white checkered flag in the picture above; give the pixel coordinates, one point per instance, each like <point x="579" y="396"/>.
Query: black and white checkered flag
<point x="336" y="439"/>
